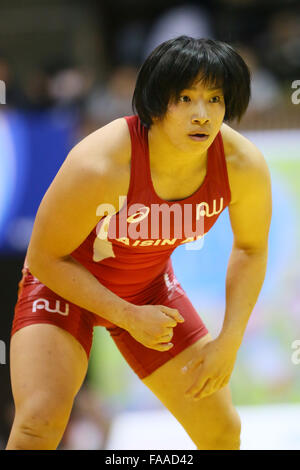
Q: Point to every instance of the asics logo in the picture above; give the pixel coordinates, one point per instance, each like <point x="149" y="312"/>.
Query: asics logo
<point x="141" y="214"/>
<point x="43" y="304"/>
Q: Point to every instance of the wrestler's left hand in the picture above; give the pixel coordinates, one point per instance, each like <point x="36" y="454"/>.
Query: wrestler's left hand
<point x="210" y="370"/>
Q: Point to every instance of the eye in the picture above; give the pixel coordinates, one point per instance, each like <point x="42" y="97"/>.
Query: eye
<point x="215" y="99"/>
<point x="184" y="99"/>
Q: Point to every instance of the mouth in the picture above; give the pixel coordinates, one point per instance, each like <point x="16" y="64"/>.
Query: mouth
<point x="199" y="136"/>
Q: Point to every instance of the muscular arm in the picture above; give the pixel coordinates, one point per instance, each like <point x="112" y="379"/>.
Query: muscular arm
<point x="67" y="214"/>
<point x="250" y="217"/>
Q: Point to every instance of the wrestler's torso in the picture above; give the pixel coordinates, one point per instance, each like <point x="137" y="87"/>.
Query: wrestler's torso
<point x="148" y="216"/>
<point x="114" y="164"/>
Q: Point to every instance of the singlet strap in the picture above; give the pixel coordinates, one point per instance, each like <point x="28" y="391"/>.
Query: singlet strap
<point x="220" y="166"/>
<point x="138" y="166"/>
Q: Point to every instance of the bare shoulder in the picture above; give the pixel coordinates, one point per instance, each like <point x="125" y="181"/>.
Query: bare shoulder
<point x="104" y="148"/>
<point x="103" y="157"/>
<point x="245" y="162"/>
<point x="96" y="171"/>
<point x="240" y="152"/>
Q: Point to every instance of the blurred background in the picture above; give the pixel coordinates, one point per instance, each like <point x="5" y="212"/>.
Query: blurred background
<point x="69" y="67"/>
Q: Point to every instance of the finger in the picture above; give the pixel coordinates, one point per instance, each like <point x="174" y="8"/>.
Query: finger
<point x="168" y="322"/>
<point x="172" y="313"/>
<point x="225" y="381"/>
<point x="216" y="385"/>
<point x="204" y="391"/>
<point x="196" y="387"/>
<point x="209" y="388"/>
<point x="164" y="332"/>
<point x="162" y="346"/>
<point x="220" y="383"/>
<point x="168" y="332"/>
<point x="167" y="337"/>
<point x="156" y="343"/>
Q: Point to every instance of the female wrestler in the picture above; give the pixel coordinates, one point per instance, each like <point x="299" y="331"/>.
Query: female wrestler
<point x="125" y="197"/>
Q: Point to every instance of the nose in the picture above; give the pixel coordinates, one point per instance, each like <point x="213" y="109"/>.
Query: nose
<point x="200" y="120"/>
<point x="200" y="116"/>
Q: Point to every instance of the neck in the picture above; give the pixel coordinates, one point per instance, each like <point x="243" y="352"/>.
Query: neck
<point x="167" y="159"/>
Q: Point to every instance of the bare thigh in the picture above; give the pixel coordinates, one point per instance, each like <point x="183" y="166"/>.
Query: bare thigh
<point x="207" y="420"/>
<point x="48" y="366"/>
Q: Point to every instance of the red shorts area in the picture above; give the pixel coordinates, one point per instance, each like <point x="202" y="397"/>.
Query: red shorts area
<point x="38" y="304"/>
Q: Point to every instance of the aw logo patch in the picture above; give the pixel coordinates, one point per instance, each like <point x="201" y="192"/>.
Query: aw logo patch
<point x="43" y="304"/>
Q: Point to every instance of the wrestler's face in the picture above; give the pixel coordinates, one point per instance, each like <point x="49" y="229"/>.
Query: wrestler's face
<point x="193" y="121"/>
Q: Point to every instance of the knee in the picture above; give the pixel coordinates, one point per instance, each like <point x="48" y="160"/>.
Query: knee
<point x="229" y="436"/>
<point x="225" y="435"/>
<point x="40" y="422"/>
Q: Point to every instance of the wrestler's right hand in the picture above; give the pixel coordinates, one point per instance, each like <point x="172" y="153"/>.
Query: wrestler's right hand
<point x="152" y="325"/>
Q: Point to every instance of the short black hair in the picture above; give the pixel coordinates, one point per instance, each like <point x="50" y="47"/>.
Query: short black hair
<point x="175" y="64"/>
